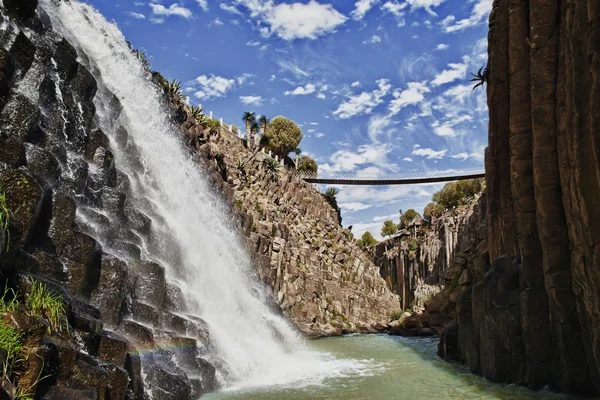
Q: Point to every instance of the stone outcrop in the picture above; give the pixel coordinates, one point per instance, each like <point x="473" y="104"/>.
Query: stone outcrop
<point x="55" y="166"/>
<point x="317" y="274"/>
<point x="534" y="317"/>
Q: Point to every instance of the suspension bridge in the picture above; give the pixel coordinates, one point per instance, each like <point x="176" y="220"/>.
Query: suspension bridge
<point x="393" y="178"/>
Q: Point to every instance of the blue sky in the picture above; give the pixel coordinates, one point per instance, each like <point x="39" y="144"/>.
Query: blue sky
<point x="377" y="86"/>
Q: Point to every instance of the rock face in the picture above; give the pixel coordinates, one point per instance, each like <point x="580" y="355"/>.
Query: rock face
<point x="62" y="188"/>
<point x="417" y="262"/>
<point x="534" y="318"/>
<point x="317" y="274"/>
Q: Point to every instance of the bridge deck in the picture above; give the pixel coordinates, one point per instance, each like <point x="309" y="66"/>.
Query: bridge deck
<point x="408" y="181"/>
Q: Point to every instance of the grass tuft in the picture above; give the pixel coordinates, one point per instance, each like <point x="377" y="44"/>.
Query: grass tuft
<point x="45" y="303"/>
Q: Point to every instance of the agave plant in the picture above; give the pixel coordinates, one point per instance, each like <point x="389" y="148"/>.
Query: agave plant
<point x="481" y="77"/>
<point x="174" y="89"/>
<point x="197" y="113"/>
<point x="331" y="193"/>
<point x="272" y="167"/>
<point x="241" y="166"/>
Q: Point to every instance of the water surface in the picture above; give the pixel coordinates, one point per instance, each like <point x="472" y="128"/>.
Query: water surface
<point x="387" y="367"/>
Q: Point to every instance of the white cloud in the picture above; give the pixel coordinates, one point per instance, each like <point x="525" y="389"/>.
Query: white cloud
<point x="481" y="10"/>
<point x="396" y="9"/>
<point x="414" y="94"/>
<point x="424" y="4"/>
<point x="429" y="153"/>
<point x="407" y="159"/>
<point x="174" y="9"/>
<point x="292" y="67"/>
<point x="136" y="15"/>
<point x="374" y="39"/>
<point x="230" y="9"/>
<point x="253" y="43"/>
<point x="355" y="84"/>
<point x="296" y="20"/>
<point x="365" y="102"/>
<point x="302" y="90"/>
<point x="157" y="20"/>
<point x="319" y="134"/>
<point x="321" y="96"/>
<point x="455" y="71"/>
<point x="213" y="86"/>
<point x="314" y="123"/>
<point x="354" y="206"/>
<point x="362" y="7"/>
<point x="444" y="130"/>
<point x="242" y="78"/>
<point x="203" y="4"/>
<point x="216" y="22"/>
<point x="442" y="46"/>
<point x="252" y="100"/>
<point x="346" y="161"/>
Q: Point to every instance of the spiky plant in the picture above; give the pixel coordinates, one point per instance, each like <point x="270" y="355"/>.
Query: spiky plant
<point x="272" y="167"/>
<point x="43" y="302"/>
<point x="480" y="78"/>
<point x="249" y="118"/>
<point x="197" y="113"/>
<point x="331" y="193"/>
<point x="241" y="166"/>
<point x="174" y="89"/>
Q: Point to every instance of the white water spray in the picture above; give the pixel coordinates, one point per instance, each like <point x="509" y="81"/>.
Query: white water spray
<point x="196" y="243"/>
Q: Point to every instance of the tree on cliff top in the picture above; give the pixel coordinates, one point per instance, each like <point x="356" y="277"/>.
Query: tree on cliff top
<point x="307" y="164"/>
<point x="408" y="217"/>
<point x="367" y="239"/>
<point x="282" y="136"/>
<point x="432" y="210"/>
<point x="454" y="194"/>
<point x="389" y="228"/>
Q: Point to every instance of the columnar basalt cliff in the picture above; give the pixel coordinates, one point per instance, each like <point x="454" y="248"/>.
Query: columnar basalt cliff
<point x="418" y="262"/>
<point x="534" y="318"/>
<point x="62" y="190"/>
<point x="318" y="275"/>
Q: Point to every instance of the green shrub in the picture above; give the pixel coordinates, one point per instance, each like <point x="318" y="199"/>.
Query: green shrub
<point x="307" y="164"/>
<point x="213" y="123"/>
<point x="282" y="136"/>
<point x="368" y="240"/>
<point x="10" y="340"/>
<point x="454" y="194"/>
<point x="413" y="244"/>
<point x="396" y="315"/>
<point x="9" y="302"/>
<point x="272" y="167"/>
<point x="433" y="210"/>
<point x="258" y="209"/>
<point x="408" y="217"/>
<point x="389" y="228"/>
<point x="43" y="302"/>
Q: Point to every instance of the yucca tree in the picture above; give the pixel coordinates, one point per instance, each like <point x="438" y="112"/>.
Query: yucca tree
<point x="197" y="113"/>
<point x="272" y="167"/>
<point x="298" y="151"/>
<point x="250" y="119"/>
<point x="262" y="123"/>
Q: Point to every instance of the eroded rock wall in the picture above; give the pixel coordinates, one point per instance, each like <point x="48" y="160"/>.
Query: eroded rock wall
<point x="316" y="272"/>
<point x="535" y="316"/>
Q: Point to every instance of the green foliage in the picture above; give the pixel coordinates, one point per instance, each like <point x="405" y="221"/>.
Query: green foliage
<point x="433" y="210"/>
<point x="4" y="218"/>
<point x="43" y="302"/>
<point x="272" y="167"/>
<point x="9" y="302"/>
<point x="173" y="89"/>
<point x="389" y="228"/>
<point x="213" y="123"/>
<point x="241" y="166"/>
<point x="408" y="217"/>
<point x="367" y="239"/>
<point x="331" y="193"/>
<point x="388" y="280"/>
<point x="258" y="209"/>
<point x="10" y="340"/>
<point x="197" y="113"/>
<point x="454" y="194"/>
<point x="143" y="58"/>
<point x="234" y="129"/>
<point x="307" y="164"/>
<point x="413" y="244"/>
<point x="396" y="315"/>
<point x="282" y="136"/>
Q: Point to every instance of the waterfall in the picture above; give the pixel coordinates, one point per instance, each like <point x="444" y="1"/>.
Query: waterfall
<point x="192" y="234"/>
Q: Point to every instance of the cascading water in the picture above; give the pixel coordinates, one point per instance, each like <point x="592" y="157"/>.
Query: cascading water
<point x="191" y="230"/>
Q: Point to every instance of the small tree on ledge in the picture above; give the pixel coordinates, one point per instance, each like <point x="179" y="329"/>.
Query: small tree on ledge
<point x="389" y="228"/>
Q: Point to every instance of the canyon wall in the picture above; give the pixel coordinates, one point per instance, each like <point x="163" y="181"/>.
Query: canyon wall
<point x="534" y="318"/>
<point x="316" y="272"/>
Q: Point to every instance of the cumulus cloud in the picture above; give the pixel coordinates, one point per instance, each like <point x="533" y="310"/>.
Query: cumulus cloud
<point x="414" y="94"/>
<point x="442" y="46"/>
<point x="425" y="4"/>
<point x="212" y="86"/>
<point x="203" y="4"/>
<point x="296" y="20"/>
<point x="302" y="90"/>
<point x="354" y="206"/>
<point x="365" y="102"/>
<point x="355" y="84"/>
<point x="252" y="100"/>
<point x="173" y="9"/>
<point x="479" y="14"/>
<point x="346" y="161"/>
<point x="230" y="9"/>
<point x="396" y="9"/>
<point x="361" y="8"/>
<point x="429" y="153"/>
<point x="455" y="71"/>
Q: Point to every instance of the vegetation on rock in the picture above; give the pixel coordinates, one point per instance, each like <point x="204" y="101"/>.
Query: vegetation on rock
<point x="389" y="228"/>
<point x="367" y="240"/>
<point x="308" y="165"/>
<point x="45" y="303"/>
<point x="282" y="136"/>
<point x="454" y="194"/>
<point x="4" y="218"/>
<point x="407" y="218"/>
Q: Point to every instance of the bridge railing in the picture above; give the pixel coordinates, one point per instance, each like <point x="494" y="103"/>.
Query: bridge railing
<point x="387" y="176"/>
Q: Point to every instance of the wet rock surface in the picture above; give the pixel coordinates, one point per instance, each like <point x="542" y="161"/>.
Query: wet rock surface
<point x="66" y="194"/>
